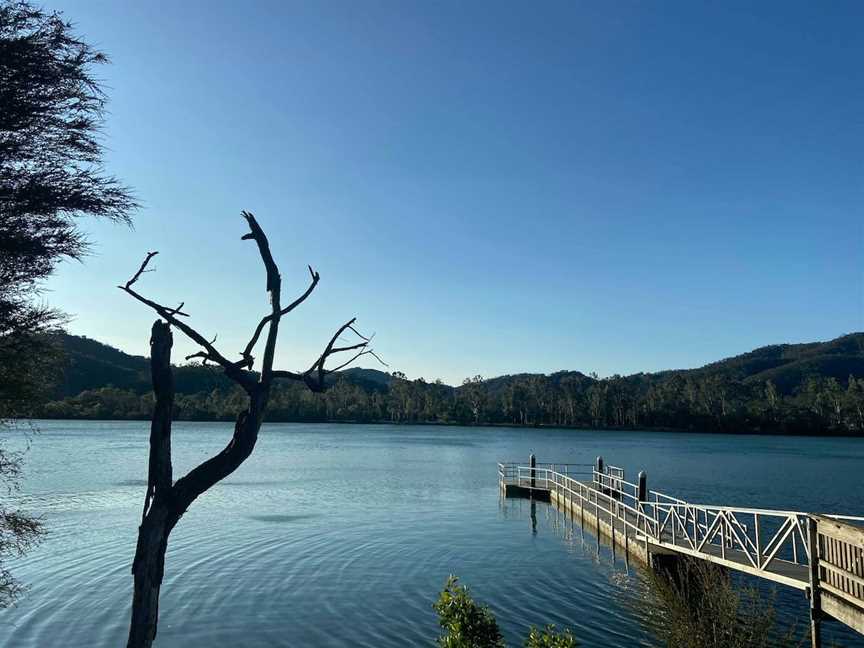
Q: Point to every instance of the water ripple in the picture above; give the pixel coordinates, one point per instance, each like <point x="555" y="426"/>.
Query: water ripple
<point x="344" y="535"/>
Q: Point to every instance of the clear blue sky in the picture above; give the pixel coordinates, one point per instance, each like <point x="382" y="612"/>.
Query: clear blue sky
<point x="491" y="187"/>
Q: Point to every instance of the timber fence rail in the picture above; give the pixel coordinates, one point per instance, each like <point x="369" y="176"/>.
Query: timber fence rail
<point x="838" y="570"/>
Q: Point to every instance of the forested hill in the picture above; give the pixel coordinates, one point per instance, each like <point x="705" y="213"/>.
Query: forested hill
<point x="90" y="365"/>
<point x="808" y="388"/>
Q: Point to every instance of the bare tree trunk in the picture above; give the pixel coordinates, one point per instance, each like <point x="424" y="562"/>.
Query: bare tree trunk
<point x="157" y="519"/>
<point x="148" y="570"/>
<point x="165" y="502"/>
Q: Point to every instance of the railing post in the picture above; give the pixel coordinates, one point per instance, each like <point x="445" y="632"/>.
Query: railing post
<point x="815" y="599"/>
<point x="582" y="506"/>
<point x="695" y="527"/>
<point x="758" y="540"/>
<point x="532" y="461"/>
<point x="641" y="497"/>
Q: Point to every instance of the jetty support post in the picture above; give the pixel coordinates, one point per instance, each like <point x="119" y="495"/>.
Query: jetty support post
<point x="532" y="461"/>
<point x="815" y="602"/>
<point x="599" y="469"/>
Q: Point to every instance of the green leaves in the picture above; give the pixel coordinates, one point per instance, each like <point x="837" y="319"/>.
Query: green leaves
<point x="550" y="638"/>
<point x="465" y="624"/>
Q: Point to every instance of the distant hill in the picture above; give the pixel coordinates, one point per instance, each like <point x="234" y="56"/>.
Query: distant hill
<point x="500" y="383"/>
<point x="812" y="388"/>
<point x="786" y="365"/>
<point x="789" y="365"/>
<point x="369" y="378"/>
<point x="92" y="365"/>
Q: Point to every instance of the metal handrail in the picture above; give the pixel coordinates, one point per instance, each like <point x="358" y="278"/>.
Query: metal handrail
<point x="820" y="554"/>
<point x="761" y="537"/>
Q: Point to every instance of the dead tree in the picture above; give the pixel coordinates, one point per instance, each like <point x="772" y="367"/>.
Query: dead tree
<point x="165" y="500"/>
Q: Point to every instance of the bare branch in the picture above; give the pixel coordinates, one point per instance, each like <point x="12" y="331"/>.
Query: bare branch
<point x="274" y="287"/>
<point x="232" y="369"/>
<point x="142" y="269"/>
<point x="375" y="355"/>
<point x="319" y="363"/>
<point x="247" y="352"/>
<point x="179" y="311"/>
<point x="314" y="375"/>
<point x="352" y="347"/>
<point x="362" y="353"/>
<point x="200" y="354"/>
<point x="345" y="364"/>
<point x="360" y="335"/>
<point x="257" y="234"/>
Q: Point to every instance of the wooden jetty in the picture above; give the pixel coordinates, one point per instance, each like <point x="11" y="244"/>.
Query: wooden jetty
<point x="822" y="555"/>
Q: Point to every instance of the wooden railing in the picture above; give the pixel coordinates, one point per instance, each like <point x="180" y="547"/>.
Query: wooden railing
<point x="838" y="571"/>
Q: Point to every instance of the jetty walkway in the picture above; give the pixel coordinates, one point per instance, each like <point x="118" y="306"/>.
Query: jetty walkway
<point x="820" y="554"/>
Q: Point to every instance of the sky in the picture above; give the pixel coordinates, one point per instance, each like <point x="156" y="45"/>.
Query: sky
<point x="491" y="187"/>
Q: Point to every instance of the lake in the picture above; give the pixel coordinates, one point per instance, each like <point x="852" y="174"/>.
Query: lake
<point x="342" y="535"/>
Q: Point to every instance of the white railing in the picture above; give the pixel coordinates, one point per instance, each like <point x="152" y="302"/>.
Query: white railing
<point x="519" y="475"/>
<point x="753" y="539"/>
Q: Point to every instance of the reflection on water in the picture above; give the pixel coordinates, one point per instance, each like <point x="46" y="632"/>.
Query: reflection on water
<point x="279" y="518"/>
<point x="343" y="535"/>
<point x="533" y="517"/>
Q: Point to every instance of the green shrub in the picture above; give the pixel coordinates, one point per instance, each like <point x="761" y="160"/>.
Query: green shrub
<point x="701" y="606"/>
<point x="550" y="638"/>
<point x="464" y="623"/>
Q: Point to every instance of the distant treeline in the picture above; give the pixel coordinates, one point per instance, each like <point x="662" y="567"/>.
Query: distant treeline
<point x="824" y="405"/>
<point x="785" y="389"/>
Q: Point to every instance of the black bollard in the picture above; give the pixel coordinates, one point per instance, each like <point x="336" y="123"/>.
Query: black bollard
<point x="643" y="486"/>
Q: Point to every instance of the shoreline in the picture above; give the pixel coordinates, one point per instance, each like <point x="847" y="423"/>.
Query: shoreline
<point x="539" y="426"/>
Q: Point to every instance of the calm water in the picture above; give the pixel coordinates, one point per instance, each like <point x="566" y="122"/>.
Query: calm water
<point x="342" y="535"/>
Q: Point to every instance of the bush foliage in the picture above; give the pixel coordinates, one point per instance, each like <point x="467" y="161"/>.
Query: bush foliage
<point x="467" y="624"/>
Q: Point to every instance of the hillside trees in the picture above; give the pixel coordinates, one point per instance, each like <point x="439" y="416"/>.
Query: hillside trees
<point x="475" y="397"/>
<point x="815" y="398"/>
<point x="642" y="401"/>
